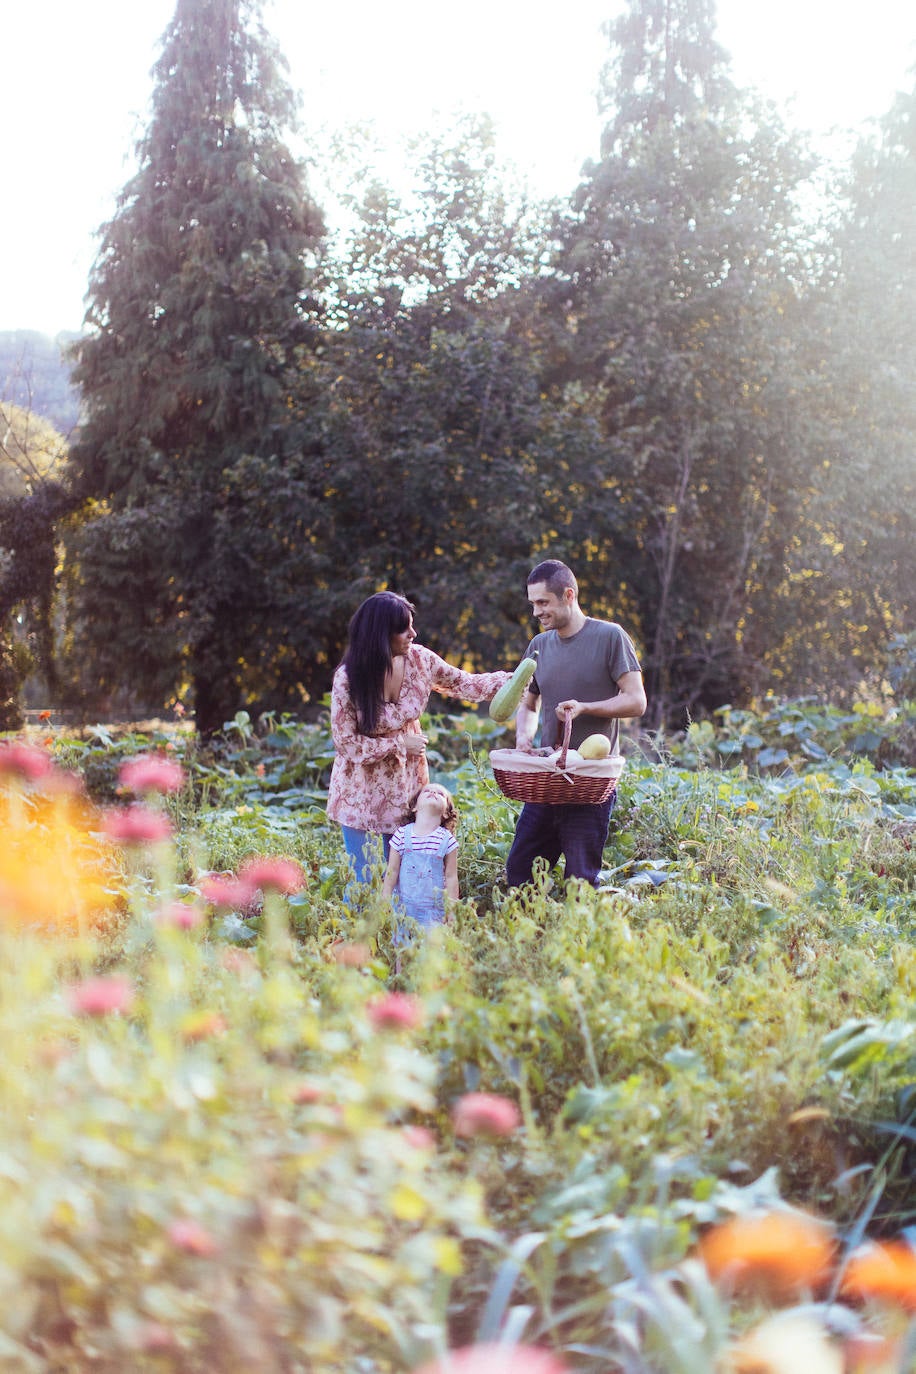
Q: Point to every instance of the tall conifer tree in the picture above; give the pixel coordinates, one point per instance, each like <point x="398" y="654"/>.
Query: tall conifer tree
<point x="198" y="302"/>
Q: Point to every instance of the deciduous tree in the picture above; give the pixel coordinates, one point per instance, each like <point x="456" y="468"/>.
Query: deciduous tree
<point x="677" y="277"/>
<point x="32" y="500"/>
<point x="853" y="575"/>
<point x="445" y="463"/>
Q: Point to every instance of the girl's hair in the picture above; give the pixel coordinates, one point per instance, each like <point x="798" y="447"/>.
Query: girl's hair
<point x="450" y="815"/>
<point x="368" y="655"/>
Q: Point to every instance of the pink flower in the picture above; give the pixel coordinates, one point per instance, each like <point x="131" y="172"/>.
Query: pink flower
<point x="235" y="960"/>
<point x="351" y="955"/>
<point x="224" y="890"/>
<point x="496" y="1359"/>
<point x="396" y="1009"/>
<point x="305" y="1093"/>
<point x="101" y="996"/>
<point x="180" y="915"/>
<point x="273" y="875"/>
<point x="420" y="1137"/>
<point x="151" y="773"/>
<point x="485" y="1114"/>
<point x="65" y="784"/>
<point x="154" y="1338"/>
<point x="20" y="760"/>
<point x="193" y="1238"/>
<point x="136" y="825"/>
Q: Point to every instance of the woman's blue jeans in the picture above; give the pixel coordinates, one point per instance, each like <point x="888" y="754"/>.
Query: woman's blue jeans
<point x="363" y="848"/>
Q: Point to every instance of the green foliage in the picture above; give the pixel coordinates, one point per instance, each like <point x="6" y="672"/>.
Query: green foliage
<point x="32" y="500"/>
<point x="790" y="736"/>
<point x="32" y="451"/>
<point x="28" y="579"/>
<point x="901" y="669"/>
<point x="267" y="1123"/>
<point x="732" y="1007"/>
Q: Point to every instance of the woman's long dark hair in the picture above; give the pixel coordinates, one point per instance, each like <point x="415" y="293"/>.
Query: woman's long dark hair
<point x="368" y="656"/>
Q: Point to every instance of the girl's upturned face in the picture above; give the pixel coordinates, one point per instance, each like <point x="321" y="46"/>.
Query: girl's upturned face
<point x="434" y="796"/>
<point x="401" y="642"/>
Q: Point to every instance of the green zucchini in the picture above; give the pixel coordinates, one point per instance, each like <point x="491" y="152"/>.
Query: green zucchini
<point x="505" y="704"/>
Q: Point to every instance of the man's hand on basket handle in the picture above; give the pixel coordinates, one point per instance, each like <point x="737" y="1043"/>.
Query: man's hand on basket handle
<point x="575" y="708"/>
<point x="628" y="704"/>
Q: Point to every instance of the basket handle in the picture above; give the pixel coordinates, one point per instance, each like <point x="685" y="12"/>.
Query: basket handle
<point x="567" y="732"/>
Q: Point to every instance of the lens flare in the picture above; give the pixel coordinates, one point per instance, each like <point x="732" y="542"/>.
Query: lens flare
<point x="54" y="869"/>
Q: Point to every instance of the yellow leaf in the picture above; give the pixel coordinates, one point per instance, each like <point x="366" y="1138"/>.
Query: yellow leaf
<point x="407" y="1204"/>
<point x="808" y="1114"/>
<point x="447" y="1253"/>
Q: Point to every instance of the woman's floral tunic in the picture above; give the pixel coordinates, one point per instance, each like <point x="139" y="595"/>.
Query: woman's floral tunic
<point x="374" y="780"/>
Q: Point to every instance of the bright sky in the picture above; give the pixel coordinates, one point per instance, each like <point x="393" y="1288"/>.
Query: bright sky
<point x="75" y="84"/>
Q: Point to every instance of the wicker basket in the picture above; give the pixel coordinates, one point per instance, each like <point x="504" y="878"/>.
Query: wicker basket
<point x="532" y="778"/>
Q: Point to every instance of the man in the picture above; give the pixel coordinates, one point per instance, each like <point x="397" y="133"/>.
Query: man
<point x="589" y="668"/>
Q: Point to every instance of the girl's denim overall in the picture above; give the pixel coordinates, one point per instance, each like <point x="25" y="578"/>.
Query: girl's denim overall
<point x="421" y="882"/>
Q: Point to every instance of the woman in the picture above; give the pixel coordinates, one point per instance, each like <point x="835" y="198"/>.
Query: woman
<point x="380" y="690"/>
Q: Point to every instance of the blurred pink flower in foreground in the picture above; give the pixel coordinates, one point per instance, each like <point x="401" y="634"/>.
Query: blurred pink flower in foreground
<point x="24" y="761"/>
<point x="496" y="1359"/>
<point x="180" y="915"/>
<point x="235" y="960"/>
<point x="351" y="955"/>
<point x="101" y="996"/>
<point x="420" y="1137"/>
<point x="136" y="825"/>
<point x="273" y="875"/>
<point x="224" y="890"/>
<point x="151" y="773"/>
<point x="395" y="1009"/>
<point x="63" y="783"/>
<point x="305" y="1093"/>
<point x="154" y="1338"/>
<point x="485" y="1114"/>
<point x="193" y="1238"/>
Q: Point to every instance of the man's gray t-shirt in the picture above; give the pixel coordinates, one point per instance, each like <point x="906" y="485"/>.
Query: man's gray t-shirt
<point x="587" y="666"/>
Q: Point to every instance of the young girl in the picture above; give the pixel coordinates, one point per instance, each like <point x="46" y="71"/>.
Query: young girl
<point x="423" y="859"/>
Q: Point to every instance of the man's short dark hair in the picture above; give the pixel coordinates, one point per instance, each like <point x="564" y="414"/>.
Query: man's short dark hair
<point x="555" y="576"/>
